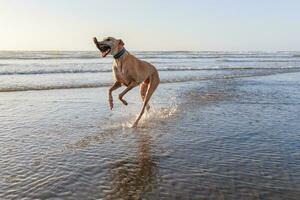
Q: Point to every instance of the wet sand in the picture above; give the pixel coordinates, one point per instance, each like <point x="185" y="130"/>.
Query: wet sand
<point x="216" y="139"/>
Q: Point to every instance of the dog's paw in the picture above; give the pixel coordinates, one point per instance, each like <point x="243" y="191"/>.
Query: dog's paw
<point x="134" y="125"/>
<point x="123" y="101"/>
<point x="111" y="105"/>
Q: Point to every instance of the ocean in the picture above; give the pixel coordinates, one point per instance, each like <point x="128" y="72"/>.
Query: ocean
<point x="28" y="70"/>
<point x="222" y="125"/>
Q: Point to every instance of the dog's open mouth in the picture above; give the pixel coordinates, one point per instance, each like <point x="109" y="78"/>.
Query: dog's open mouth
<point x="105" y="49"/>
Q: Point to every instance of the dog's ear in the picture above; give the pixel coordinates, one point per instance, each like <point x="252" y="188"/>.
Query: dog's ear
<point x="121" y="42"/>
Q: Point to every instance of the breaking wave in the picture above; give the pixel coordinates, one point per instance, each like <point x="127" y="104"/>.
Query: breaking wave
<point x="47" y="70"/>
<point x="76" y="71"/>
<point x="258" y="60"/>
<point x="74" y="85"/>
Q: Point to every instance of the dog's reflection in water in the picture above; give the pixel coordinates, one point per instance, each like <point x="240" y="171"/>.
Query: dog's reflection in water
<point x="134" y="176"/>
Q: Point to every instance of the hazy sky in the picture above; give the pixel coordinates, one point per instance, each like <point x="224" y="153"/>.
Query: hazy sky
<point x="269" y="25"/>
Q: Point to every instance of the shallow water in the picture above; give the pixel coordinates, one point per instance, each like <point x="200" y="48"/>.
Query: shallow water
<point x="234" y="139"/>
<point x="219" y="138"/>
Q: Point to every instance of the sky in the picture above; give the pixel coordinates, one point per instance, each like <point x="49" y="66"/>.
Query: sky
<point x="204" y="25"/>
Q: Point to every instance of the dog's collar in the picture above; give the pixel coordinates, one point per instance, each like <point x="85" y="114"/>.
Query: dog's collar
<point x="120" y="53"/>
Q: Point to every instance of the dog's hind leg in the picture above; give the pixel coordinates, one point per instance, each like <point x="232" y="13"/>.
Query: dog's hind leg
<point x="143" y="90"/>
<point x="154" y="81"/>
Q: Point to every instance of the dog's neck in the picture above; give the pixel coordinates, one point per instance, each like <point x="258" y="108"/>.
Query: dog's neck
<point x="120" y="53"/>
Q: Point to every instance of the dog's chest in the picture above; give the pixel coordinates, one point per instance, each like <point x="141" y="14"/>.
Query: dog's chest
<point x="120" y="74"/>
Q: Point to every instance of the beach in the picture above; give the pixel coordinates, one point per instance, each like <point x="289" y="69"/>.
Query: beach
<point x="222" y="125"/>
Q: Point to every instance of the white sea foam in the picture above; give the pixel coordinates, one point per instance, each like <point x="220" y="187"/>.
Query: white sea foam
<point x="22" y="71"/>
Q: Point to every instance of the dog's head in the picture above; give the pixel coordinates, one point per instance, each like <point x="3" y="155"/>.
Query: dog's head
<point x="109" y="45"/>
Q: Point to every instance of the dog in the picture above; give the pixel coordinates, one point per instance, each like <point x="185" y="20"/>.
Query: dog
<point x="129" y="71"/>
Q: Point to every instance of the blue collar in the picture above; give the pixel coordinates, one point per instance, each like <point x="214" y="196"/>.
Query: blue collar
<point x="120" y="53"/>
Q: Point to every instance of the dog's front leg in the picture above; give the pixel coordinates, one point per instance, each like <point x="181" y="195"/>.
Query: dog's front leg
<point x="115" y="86"/>
<point x="129" y="87"/>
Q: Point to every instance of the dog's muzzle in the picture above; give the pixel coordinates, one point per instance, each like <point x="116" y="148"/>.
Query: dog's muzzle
<point x="104" y="48"/>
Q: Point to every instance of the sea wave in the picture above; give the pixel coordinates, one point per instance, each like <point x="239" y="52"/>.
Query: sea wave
<point x="70" y="71"/>
<point x="48" y="58"/>
<point x="73" y="85"/>
<point x="47" y="55"/>
<point x="53" y="55"/>
<point x="215" y="56"/>
<point x="54" y="71"/>
<point x="154" y="56"/>
<point x="76" y="71"/>
<point x="258" y="60"/>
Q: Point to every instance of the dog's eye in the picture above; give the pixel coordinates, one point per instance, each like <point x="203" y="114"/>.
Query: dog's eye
<point x="107" y="39"/>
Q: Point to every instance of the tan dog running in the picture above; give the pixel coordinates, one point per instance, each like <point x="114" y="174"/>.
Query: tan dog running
<point x="129" y="71"/>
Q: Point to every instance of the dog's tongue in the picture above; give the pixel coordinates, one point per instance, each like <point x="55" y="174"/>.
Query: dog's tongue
<point x="104" y="53"/>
